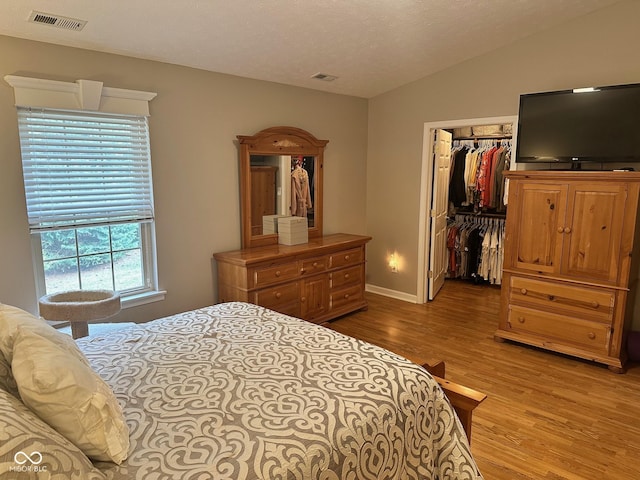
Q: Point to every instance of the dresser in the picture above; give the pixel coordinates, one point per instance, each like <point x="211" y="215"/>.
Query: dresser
<point x="571" y="262"/>
<point x="316" y="281"/>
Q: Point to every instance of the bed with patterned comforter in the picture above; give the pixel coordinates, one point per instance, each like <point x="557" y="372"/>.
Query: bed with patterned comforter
<point x="235" y="391"/>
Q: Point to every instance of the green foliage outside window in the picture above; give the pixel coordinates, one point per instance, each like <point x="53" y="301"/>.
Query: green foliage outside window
<point x="60" y="248"/>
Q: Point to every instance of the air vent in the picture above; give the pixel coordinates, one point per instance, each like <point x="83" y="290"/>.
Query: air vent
<point x="57" y="21"/>
<point x="324" y="77"/>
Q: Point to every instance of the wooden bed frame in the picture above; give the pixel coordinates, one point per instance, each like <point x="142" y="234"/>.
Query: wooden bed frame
<point x="464" y="400"/>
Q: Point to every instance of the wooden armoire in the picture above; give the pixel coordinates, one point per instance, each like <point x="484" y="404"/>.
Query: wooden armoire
<point x="571" y="262"/>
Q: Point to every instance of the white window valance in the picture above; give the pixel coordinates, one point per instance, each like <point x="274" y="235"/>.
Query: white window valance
<point x="88" y="95"/>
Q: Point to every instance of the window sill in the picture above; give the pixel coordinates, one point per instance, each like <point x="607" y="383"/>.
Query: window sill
<point x="142" y="298"/>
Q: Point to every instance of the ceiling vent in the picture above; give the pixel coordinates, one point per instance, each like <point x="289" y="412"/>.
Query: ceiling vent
<point x="57" y="21"/>
<point x="324" y="77"/>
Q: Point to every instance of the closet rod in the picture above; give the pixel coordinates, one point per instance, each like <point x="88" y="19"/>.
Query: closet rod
<point x="483" y="214"/>
<point x="484" y="137"/>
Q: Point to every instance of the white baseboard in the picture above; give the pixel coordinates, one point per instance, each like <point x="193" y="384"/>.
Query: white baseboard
<point x="387" y="292"/>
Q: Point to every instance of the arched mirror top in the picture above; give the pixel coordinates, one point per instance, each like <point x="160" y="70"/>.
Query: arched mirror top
<point x="270" y="160"/>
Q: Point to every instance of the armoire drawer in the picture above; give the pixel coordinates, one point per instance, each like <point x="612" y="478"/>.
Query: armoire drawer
<point x="585" y="334"/>
<point x="277" y="296"/>
<point x="345" y="277"/>
<point x="582" y="302"/>
<point x="263" y="276"/>
<point x="346" y="258"/>
<point x="343" y="297"/>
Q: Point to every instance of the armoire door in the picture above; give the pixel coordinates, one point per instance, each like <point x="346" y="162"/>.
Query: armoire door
<point x="537" y="226"/>
<point x="439" y="206"/>
<point x="593" y="229"/>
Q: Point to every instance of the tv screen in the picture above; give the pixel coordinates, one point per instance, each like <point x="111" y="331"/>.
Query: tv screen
<point x="602" y="125"/>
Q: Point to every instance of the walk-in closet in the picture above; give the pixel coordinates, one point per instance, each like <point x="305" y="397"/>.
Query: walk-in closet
<point x="469" y="245"/>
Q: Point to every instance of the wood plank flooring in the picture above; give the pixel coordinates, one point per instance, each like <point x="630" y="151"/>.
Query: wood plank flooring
<point x="547" y="416"/>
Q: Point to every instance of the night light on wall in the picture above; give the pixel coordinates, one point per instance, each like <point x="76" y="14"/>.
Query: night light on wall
<point x="393" y="263"/>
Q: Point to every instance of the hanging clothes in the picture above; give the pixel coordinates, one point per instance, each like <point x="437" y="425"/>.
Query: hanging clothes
<point x="457" y="187"/>
<point x="300" y="192"/>
<point x="477" y="173"/>
<point x="475" y="245"/>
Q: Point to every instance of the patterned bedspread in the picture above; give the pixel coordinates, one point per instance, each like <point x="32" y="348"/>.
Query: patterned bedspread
<point x="235" y="391"/>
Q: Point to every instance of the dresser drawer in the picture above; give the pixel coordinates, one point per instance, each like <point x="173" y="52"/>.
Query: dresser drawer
<point x="346" y="277"/>
<point x="343" y="297"/>
<point x="263" y="276"/>
<point x="346" y="258"/>
<point x="582" y="302"/>
<point x="314" y="265"/>
<point x="585" y="334"/>
<point x="277" y="296"/>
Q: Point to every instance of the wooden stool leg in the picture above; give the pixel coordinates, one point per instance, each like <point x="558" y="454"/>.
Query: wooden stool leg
<point x="79" y="329"/>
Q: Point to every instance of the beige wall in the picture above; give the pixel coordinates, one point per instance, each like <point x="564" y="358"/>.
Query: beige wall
<point x="597" y="49"/>
<point x="194" y="121"/>
<point x="372" y="186"/>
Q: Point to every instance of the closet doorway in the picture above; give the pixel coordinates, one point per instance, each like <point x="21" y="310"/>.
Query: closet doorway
<point x="434" y="196"/>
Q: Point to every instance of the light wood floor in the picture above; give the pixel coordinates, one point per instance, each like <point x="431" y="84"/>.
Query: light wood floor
<point x="547" y="416"/>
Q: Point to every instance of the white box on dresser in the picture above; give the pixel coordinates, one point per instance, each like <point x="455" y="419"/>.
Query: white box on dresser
<point x="293" y="230"/>
<point x="270" y="223"/>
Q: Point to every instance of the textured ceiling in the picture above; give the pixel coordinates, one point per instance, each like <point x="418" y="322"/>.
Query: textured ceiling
<point x="372" y="46"/>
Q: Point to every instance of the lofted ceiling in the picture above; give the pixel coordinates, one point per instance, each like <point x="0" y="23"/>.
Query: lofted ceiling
<point x="371" y="46"/>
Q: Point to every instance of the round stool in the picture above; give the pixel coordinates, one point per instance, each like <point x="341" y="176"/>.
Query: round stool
<point x="79" y="307"/>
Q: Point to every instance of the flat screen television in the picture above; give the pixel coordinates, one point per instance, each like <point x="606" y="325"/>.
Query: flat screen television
<point x="598" y="125"/>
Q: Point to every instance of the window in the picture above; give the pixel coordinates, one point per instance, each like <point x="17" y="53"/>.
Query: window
<point x="88" y="187"/>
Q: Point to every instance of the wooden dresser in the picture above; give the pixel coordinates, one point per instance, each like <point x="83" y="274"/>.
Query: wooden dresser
<point x="316" y="281"/>
<point x="571" y="262"/>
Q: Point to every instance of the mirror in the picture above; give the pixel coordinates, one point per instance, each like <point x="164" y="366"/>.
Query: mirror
<point x="280" y="174"/>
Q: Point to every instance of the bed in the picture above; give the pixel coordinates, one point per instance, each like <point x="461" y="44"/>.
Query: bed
<point x="236" y="391"/>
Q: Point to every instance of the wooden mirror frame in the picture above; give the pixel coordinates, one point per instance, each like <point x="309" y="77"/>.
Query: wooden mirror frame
<point x="278" y="141"/>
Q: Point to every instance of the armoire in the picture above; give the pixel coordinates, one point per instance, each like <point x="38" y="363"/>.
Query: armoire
<point x="570" y="269"/>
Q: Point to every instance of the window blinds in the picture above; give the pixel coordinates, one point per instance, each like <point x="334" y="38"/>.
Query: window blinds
<point x="84" y="169"/>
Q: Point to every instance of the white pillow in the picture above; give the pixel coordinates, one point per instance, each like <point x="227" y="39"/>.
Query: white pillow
<point x="69" y="396"/>
<point x="11" y="318"/>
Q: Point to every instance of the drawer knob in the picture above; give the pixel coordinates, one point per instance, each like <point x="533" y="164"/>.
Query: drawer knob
<point x="346" y="275"/>
<point x="315" y="264"/>
<point x="303" y="299"/>
<point x="592" y="336"/>
<point x="551" y="297"/>
<point x="278" y="294"/>
<point x="346" y="257"/>
<point x="277" y="273"/>
<point x="567" y="230"/>
<point x="346" y="296"/>
<point x="560" y="229"/>
<point x="302" y="271"/>
<point x="595" y="304"/>
<point x="523" y="291"/>
<point x="521" y="319"/>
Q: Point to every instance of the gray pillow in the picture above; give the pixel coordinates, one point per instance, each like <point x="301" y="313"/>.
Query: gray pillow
<point x="7" y="382"/>
<point x="31" y="449"/>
